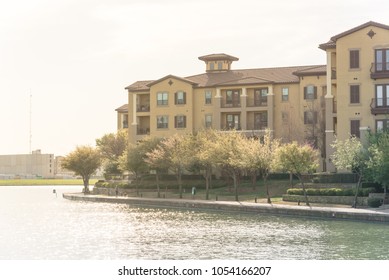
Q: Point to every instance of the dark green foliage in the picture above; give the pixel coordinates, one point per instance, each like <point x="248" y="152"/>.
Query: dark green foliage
<point x="330" y="192"/>
<point x="374" y="202"/>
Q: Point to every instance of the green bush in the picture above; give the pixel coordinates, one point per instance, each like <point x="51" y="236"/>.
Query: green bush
<point x="330" y="192"/>
<point x="374" y="202"/>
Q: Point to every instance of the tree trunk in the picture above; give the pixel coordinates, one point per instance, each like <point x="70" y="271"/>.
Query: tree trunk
<point x="158" y="188"/>
<point x="305" y="192"/>
<point x="356" y="192"/>
<point x="179" y="183"/>
<point x="267" y="188"/>
<point x="208" y="174"/>
<point x="235" y="186"/>
<point x="254" y="180"/>
<point x="85" y="180"/>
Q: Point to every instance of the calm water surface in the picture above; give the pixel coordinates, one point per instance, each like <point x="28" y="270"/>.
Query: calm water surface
<point x="35" y="224"/>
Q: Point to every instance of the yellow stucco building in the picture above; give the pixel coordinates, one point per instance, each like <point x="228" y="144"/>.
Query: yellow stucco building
<point x="348" y="95"/>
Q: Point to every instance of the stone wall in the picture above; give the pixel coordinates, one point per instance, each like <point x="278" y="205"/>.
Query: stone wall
<point x="343" y="200"/>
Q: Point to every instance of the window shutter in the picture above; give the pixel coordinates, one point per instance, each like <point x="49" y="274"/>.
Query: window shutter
<point x="315" y="117"/>
<point x="184" y="97"/>
<point x="175" y="98"/>
<point x="175" y="122"/>
<point x="315" y="92"/>
<point x="354" y="125"/>
<point x="184" y="121"/>
<point x="305" y="92"/>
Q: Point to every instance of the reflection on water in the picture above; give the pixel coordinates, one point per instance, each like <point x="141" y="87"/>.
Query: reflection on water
<point x="35" y="224"/>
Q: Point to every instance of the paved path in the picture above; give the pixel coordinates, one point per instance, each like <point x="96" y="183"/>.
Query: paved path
<point x="338" y="213"/>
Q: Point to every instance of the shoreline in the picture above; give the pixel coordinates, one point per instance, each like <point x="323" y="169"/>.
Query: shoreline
<point x="330" y="213"/>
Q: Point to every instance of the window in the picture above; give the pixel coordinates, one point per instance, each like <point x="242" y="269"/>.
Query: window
<point x="219" y="65"/>
<point x="382" y="95"/>
<point x="233" y="121"/>
<point x="382" y="125"/>
<point x="162" y="98"/>
<point x="285" y="94"/>
<point x="310" y="92"/>
<point x="260" y="96"/>
<point x="208" y="97"/>
<point x="180" y="121"/>
<point x="354" y="128"/>
<point x="232" y="98"/>
<point x="310" y="117"/>
<point x="260" y="120"/>
<point x="354" y="59"/>
<point x="180" y="98"/>
<point x="354" y="94"/>
<point x="208" y="121"/>
<point x="382" y="60"/>
<point x="211" y="66"/>
<point x="162" y="122"/>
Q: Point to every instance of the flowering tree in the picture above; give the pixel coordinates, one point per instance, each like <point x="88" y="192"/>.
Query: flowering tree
<point x="227" y="155"/>
<point x="378" y="163"/>
<point x="204" y="155"/>
<point x="351" y="155"/>
<point x="84" y="161"/>
<point x="175" y="153"/>
<point x="296" y="159"/>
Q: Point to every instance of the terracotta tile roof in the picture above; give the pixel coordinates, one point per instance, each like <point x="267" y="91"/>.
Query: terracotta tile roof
<point x="169" y="77"/>
<point x="218" y="56"/>
<point x="139" y="86"/>
<point x="122" y="109"/>
<point x="313" y="71"/>
<point x="332" y="42"/>
<point x="277" y="75"/>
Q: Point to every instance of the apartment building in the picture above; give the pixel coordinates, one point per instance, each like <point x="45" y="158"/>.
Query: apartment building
<point x="313" y="103"/>
<point x="357" y="98"/>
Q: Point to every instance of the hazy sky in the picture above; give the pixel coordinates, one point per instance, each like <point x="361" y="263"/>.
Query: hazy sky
<point x="76" y="56"/>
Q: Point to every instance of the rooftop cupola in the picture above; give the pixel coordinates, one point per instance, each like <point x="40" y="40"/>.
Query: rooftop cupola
<point x="218" y="62"/>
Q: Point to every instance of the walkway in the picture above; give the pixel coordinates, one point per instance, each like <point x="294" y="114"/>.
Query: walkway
<point x="359" y="214"/>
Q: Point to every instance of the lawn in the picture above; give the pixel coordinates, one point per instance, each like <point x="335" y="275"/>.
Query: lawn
<point x="44" y="182"/>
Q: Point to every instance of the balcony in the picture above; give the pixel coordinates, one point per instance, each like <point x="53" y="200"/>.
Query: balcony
<point x="142" y="131"/>
<point x="227" y="103"/>
<point x="379" y="70"/>
<point x="379" y="106"/>
<point x="254" y="102"/>
<point x="143" y="108"/>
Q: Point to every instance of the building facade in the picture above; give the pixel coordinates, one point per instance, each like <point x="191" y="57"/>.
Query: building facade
<point x="35" y="165"/>
<point x="348" y="95"/>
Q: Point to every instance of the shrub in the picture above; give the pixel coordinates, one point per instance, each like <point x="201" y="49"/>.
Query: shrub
<point x="374" y="202"/>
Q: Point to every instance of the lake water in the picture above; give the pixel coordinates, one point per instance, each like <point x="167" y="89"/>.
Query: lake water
<point x="37" y="224"/>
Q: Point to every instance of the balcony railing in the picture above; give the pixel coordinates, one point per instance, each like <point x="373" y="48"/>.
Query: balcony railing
<point x="143" y="131"/>
<point x="252" y="102"/>
<point x="379" y="106"/>
<point x="379" y="70"/>
<point x="258" y="126"/>
<point x="229" y="103"/>
<point x="143" y="108"/>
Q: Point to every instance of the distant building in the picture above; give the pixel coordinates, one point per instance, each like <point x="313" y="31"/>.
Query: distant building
<point x="35" y="165"/>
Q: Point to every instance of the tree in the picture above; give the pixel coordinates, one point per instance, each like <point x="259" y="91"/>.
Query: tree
<point x="83" y="161"/>
<point x="174" y="152"/>
<point x="204" y="155"/>
<point x="133" y="159"/>
<point x="378" y="163"/>
<point x="260" y="154"/>
<point x="297" y="160"/>
<point x="227" y="155"/>
<point x="112" y="146"/>
<point x="351" y="155"/>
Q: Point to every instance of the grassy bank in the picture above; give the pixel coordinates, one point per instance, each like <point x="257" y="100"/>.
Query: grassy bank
<point x="44" y="182"/>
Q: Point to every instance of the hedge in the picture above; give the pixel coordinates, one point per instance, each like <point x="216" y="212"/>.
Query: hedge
<point x="330" y="191"/>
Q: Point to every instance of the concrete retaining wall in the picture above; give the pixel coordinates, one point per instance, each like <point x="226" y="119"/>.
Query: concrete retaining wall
<point x="342" y="200"/>
<point x="244" y="207"/>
